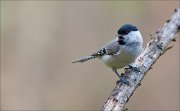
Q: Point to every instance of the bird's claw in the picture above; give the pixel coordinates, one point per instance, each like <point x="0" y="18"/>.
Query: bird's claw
<point x="123" y="80"/>
<point x="133" y="68"/>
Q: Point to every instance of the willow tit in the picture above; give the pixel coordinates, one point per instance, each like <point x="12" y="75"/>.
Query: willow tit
<point x="121" y="51"/>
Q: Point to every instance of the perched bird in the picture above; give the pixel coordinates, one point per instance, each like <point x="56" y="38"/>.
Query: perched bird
<point x="121" y="51"/>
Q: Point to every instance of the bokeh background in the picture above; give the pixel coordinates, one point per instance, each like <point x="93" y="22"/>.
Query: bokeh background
<point x="40" y="39"/>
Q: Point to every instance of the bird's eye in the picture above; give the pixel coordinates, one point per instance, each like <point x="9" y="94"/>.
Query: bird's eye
<point x="121" y="37"/>
<point x="126" y="32"/>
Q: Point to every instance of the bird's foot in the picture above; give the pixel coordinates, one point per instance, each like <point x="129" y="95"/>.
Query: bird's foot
<point x="133" y="68"/>
<point x="123" y="80"/>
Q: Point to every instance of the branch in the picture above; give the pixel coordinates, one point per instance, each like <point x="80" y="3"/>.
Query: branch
<point x="155" y="48"/>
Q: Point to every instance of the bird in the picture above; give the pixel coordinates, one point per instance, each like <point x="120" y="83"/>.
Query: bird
<point x="121" y="51"/>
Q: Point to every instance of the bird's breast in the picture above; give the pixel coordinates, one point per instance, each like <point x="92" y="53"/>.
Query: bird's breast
<point x="122" y="58"/>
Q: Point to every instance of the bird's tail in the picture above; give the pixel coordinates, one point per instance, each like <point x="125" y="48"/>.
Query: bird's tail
<point x="85" y="58"/>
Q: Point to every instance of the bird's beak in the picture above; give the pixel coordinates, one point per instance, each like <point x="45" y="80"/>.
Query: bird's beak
<point x="120" y="36"/>
<point x="117" y="35"/>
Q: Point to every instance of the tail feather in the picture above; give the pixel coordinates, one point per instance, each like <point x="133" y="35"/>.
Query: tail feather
<point x="86" y="58"/>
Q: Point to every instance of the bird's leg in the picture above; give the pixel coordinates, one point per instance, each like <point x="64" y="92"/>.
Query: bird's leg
<point x="132" y="67"/>
<point x="122" y="77"/>
<point x="115" y="70"/>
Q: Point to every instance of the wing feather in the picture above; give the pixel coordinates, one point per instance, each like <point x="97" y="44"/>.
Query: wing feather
<point x="111" y="48"/>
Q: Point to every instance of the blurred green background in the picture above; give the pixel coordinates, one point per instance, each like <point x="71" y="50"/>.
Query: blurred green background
<point x="40" y="39"/>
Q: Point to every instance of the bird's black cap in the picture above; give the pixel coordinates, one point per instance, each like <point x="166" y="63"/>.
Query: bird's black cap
<point x="125" y="29"/>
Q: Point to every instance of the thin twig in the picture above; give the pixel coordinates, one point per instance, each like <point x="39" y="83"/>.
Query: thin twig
<point x="155" y="48"/>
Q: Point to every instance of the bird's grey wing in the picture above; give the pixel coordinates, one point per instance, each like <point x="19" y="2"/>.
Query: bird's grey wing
<point x="110" y="48"/>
